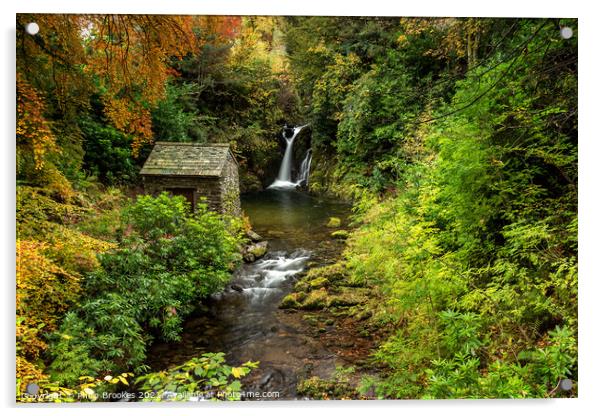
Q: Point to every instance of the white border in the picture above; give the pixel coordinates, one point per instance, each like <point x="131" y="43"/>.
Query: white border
<point x="590" y="181"/>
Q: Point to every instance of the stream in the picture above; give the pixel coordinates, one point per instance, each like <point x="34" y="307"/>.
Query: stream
<point x="244" y="320"/>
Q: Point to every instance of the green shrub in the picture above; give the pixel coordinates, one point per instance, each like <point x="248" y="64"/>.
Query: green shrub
<point x="153" y="217"/>
<point x="162" y="269"/>
<point x="207" y="377"/>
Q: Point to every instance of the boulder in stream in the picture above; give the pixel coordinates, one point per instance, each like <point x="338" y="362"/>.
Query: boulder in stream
<point x="316" y="299"/>
<point x="236" y="287"/>
<point x="255" y="251"/>
<point x="334" y="222"/>
<point x="290" y="301"/>
<point x="340" y="234"/>
<point x="253" y="236"/>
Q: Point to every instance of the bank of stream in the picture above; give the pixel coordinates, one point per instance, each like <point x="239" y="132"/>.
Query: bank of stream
<point x="244" y="320"/>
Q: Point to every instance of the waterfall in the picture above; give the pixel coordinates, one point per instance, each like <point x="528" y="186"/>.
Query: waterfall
<point x="284" y="179"/>
<point x="304" y="170"/>
<point x="284" y="174"/>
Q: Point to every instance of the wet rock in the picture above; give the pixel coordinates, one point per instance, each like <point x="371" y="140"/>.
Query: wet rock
<point x="290" y="301"/>
<point x="258" y="249"/>
<point x="273" y="379"/>
<point x="340" y="234"/>
<point x="236" y="287"/>
<point x="253" y="236"/>
<point x="266" y="379"/>
<point x="334" y="222"/>
<point x="255" y="251"/>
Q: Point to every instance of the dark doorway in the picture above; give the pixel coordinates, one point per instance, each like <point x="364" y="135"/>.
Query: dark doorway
<point x="187" y="193"/>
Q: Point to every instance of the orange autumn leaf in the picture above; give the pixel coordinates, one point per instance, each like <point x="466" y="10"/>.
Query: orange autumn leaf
<point x="126" y="57"/>
<point x="33" y="131"/>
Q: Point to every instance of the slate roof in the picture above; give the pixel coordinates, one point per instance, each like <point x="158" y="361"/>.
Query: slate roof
<point x="186" y="159"/>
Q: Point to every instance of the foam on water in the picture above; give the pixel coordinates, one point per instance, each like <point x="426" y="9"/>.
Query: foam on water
<point x="267" y="277"/>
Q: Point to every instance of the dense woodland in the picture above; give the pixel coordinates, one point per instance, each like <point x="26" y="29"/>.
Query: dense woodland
<point x="454" y="139"/>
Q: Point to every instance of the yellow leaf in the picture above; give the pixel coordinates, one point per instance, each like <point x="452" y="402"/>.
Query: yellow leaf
<point x="237" y="372"/>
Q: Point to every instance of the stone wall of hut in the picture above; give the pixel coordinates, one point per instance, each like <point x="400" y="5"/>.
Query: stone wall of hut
<point x="221" y="194"/>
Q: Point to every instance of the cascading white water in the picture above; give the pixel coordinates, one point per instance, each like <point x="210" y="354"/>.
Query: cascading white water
<point x="304" y="170"/>
<point x="284" y="179"/>
<point x="284" y="174"/>
<point x="266" y="278"/>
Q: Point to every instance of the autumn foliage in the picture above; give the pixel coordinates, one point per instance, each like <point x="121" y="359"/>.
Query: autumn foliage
<point x="33" y="131"/>
<point x="51" y="259"/>
<point x="125" y="59"/>
<point x="110" y="68"/>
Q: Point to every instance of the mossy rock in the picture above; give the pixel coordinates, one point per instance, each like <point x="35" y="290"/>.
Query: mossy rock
<point x="363" y="315"/>
<point x="365" y="334"/>
<point x="316" y="299"/>
<point x="338" y="300"/>
<point x="290" y="301"/>
<point x="317" y="388"/>
<point x="318" y="282"/>
<point x="301" y="296"/>
<point x="334" y="222"/>
<point x="302" y="286"/>
<point x="253" y="236"/>
<point x="340" y="234"/>
<point x="259" y="249"/>
<point x="311" y="320"/>
<point x="348" y="297"/>
<point x="255" y="251"/>
<point x="333" y="273"/>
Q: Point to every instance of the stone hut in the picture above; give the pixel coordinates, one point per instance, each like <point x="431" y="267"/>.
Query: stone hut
<point x="195" y="171"/>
